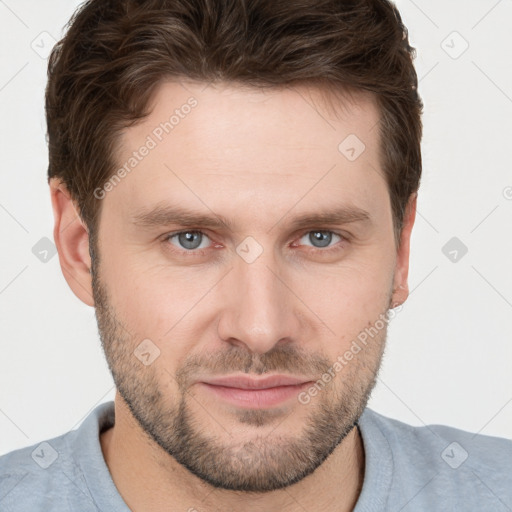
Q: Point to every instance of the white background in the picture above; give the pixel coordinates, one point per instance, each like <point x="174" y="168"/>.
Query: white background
<point x="449" y="353"/>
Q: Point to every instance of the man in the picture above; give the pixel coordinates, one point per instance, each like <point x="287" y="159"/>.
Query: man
<point x="234" y="188"/>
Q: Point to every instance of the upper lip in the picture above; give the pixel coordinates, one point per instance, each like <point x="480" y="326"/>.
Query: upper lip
<point x="245" y="382"/>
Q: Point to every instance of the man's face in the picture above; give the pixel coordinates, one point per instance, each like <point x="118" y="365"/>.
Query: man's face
<point x="252" y="294"/>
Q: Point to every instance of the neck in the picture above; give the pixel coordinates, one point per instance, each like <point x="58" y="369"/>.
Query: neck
<point x="150" y="479"/>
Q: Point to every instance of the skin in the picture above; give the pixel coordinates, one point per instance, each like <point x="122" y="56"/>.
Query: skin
<point x="258" y="159"/>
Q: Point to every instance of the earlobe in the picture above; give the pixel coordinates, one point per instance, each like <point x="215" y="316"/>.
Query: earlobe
<point x="72" y="240"/>
<point x="400" y="284"/>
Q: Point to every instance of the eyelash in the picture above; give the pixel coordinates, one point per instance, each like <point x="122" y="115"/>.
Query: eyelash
<point x="202" y="252"/>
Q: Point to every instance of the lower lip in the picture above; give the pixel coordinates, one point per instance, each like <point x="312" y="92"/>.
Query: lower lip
<point x="256" y="398"/>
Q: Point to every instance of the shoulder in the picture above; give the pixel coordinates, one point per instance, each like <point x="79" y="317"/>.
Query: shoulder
<point x="49" y="475"/>
<point x="456" y="467"/>
<point x="39" y="477"/>
<point x="482" y="449"/>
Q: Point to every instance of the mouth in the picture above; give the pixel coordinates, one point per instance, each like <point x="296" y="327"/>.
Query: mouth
<point x="251" y="393"/>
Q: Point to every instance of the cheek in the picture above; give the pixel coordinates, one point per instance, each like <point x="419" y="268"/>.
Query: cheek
<point x="350" y="297"/>
<point x="157" y="302"/>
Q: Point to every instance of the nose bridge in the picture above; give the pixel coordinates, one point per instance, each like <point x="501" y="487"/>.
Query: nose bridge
<point x="259" y="309"/>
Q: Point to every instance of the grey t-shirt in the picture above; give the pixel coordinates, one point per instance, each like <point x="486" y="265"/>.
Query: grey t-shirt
<point x="431" y="468"/>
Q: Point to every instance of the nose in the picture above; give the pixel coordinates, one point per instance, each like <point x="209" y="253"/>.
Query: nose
<point x="258" y="308"/>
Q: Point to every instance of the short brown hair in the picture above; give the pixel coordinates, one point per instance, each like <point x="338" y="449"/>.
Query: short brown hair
<point x="102" y="74"/>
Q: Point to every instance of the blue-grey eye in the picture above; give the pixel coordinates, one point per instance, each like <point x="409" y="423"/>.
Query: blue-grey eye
<point x="189" y="240"/>
<point x="320" y="239"/>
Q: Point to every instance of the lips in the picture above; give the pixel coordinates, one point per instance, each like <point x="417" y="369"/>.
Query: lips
<point x="245" y="382"/>
<point x="254" y="393"/>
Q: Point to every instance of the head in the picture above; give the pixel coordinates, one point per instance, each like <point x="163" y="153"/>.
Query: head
<point x="234" y="186"/>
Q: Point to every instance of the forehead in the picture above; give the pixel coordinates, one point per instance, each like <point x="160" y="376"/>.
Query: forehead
<point x="250" y="149"/>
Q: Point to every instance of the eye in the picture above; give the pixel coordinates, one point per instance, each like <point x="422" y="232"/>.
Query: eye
<point x="320" y="238"/>
<point x="188" y="240"/>
<point x="195" y="242"/>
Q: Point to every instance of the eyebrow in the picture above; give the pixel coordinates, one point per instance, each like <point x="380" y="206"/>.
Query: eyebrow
<point x="165" y="214"/>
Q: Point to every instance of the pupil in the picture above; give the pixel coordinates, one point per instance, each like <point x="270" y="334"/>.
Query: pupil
<point x="187" y="239"/>
<point x="320" y="236"/>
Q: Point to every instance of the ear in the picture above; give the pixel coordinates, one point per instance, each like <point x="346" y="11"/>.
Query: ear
<point x="72" y="240"/>
<point x="400" y="284"/>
